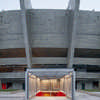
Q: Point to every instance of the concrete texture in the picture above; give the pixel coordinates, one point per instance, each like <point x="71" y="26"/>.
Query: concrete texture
<point x="83" y="96"/>
<point x="49" y="60"/>
<point x="20" y="96"/>
<point x="17" y="85"/>
<point x="50" y="98"/>
<point x="88" y="84"/>
<point x="46" y="26"/>
<point x="12" y="96"/>
<point x="49" y="29"/>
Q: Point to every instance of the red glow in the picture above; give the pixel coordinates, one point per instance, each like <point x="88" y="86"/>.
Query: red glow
<point x="52" y="94"/>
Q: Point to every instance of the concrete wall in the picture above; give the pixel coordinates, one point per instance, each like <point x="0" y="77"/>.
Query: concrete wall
<point x="48" y="28"/>
<point x="99" y="84"/>
<point x="88" y="84"/>
<point x="45" y="85"/>
<point x="62" y="83"/>
<point x="17" y="85"/>
<point x="32" y="86"/>
<point x="50" y="85"/>
<point x="38" y="84"/>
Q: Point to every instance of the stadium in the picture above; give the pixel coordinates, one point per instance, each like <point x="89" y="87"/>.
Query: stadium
<point x="49" y="38"/>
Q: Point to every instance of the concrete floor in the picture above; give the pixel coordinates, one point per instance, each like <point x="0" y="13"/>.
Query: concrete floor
<point x="49" y="98"/>
<point x="21" y="96"/>
<point x="83" y="96"/>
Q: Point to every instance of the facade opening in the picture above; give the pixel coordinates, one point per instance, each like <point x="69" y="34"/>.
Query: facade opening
<point x="50" y="82"/>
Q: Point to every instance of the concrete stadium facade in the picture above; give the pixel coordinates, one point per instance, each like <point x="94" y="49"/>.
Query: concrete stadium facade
<point x="45" y="38"/>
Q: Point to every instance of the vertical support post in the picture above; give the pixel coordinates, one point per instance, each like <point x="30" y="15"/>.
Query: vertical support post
<point x="25" y="5"/>
<point x="26" y="86"/>
<point x="74" y="7"/>
<point x="35" y="85"/>
<point x="65" y="84"/>
<point x="73" y="86"/>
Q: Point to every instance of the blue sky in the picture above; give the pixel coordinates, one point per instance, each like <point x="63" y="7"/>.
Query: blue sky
<point x="50" y="4"/>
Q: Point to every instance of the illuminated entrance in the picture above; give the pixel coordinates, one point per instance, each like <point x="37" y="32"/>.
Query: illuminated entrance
<point x="50" y="82"/>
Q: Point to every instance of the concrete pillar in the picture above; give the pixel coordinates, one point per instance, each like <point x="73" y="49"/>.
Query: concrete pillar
<point x="26" y="86"/>
<point x="73" y="86"/>
<point x="74" y="6"/>
<point x="25" y="4"/>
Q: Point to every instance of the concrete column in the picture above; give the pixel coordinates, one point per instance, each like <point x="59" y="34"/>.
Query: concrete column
<point x="25" y="4"/>
<point x="73" y="86"/>
<point x="74" y="6"/>
<point x="26" y="86"/>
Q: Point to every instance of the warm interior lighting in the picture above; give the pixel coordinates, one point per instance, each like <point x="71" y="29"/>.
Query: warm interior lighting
<point x="59" y="93"/>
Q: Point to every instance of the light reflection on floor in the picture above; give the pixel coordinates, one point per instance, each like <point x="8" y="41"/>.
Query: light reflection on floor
<point x="58" y="93"/>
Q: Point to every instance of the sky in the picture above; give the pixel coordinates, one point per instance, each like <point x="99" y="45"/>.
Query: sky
<point x="50" y="4"/>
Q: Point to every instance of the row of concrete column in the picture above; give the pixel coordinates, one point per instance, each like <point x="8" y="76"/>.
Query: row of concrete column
<point x="74" y="6"/>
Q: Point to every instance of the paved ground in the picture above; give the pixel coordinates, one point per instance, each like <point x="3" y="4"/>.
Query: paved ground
<point x="50" y="98"/>
<point x="20" y="96"/>
<point x="83" y="96"/>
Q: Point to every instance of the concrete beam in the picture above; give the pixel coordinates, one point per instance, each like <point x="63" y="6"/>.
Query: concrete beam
<point x="86" y="75"/>
<point x="12" y="75"/>
<point x="21" y="75"/>
<point x="75" y="9"/>
<point x="49" y="60"/>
